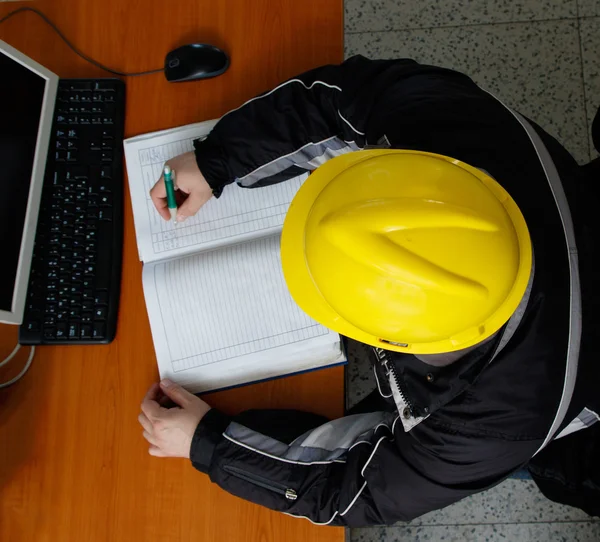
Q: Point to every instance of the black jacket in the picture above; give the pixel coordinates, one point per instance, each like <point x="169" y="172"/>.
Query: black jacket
<point x="431" y="435"/>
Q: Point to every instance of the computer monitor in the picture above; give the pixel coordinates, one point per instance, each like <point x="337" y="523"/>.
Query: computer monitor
<point x="27" y="99"/>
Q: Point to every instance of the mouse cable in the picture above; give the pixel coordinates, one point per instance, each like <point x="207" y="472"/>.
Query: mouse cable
<point x="72" y="47"/>
<point x="23" y="371"/>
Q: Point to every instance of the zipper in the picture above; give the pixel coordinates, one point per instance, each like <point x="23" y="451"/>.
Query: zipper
<point x="403" y="404"/>
<point x="265" y="483"/>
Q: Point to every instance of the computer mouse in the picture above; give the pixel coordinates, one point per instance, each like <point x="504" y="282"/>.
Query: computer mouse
<point x="195" y="61"/>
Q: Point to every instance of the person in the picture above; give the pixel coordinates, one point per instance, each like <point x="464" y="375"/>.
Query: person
<point x="459" y="412"/>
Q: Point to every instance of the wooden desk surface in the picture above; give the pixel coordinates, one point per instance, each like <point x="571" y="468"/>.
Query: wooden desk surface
<point x="73" y="463"/>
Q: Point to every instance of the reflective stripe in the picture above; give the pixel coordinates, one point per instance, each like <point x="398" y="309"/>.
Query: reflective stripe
<point x="575" y="288"/>
<point x="585" y="419"/>
<point x="348" y="123"/>
<point x="308" y="156"/>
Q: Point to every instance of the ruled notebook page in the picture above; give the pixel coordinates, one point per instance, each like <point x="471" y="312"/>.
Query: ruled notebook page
<point x="225" y="317"/>
<point x="239" y="214"/>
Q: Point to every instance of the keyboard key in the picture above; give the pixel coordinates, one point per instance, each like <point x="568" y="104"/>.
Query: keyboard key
<point x="86" y="97"/>
<point x="101" y="298"/>
<point x="72" y="156"/>
<point x="73" y="331"/>
<point x="88" y="293"/>
<point x="60" y="156"/>
<point x="107" y="120"/>
<point x="80" y="85"/>
<point x="61" y="119"/>
<point x="49" y="320"/>
<point x="32" y="326"/>
<point x="105" y="214"/>
<point x="87" y="317"/>
<point x="86" y="331"/>
<point x="109" y="86"/>
<point x="72" y="119"/>
<point x="95" y="145"/>
<point x="107" y="133"/>
<point x="107" y="145"/>
<point x="73" y="133"/>
<point x="99" y="330"/>
<point x="97" y="97"/>
<point x="100" y="313"/>
<point x="97" y="119"/>
<point x="49" y="333"/>
<point x="85" y="119"/>
<point x="61" y="330"/>
<point x="106" y="156"/>
<point x="106" y="172"/>
<point x="62" y="315"/>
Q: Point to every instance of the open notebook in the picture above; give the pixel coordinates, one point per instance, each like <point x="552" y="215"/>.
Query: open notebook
<point x="219" y="308"/>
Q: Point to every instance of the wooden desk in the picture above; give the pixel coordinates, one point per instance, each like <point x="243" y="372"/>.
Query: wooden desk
<point x="73" y="464"/>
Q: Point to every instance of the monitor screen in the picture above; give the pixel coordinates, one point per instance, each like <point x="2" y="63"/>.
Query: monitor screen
<point x="21" y="100"/>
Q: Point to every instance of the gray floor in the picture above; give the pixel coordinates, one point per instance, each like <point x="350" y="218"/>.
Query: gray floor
<point x="543" y="58"/>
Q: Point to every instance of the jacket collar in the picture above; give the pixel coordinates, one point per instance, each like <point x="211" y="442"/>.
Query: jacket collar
<point x="419" y="389"/>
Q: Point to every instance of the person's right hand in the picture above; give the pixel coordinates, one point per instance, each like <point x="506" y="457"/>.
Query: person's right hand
<point x="192" y="189"/>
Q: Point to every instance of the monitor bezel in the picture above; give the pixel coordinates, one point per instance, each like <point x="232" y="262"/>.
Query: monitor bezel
<point x="15" y="315"/>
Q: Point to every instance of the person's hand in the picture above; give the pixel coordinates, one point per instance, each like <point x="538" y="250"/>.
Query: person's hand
<point x="192" y="190"/>
<point x="170" y="430"/>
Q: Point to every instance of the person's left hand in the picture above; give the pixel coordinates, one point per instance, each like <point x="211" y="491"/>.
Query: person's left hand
<point x="170" y="430"/>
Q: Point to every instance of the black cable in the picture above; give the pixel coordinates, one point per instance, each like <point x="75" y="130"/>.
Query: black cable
<point x="72" y="47"/>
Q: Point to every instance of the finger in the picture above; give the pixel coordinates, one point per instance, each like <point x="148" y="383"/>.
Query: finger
<point x="153" y="393"/>
<point x="158" y="194"/>
<point x="175" y="392"/>
<point x="152" y="410"/>
<point x="191" y="205"/>
<point x="149" y="437"/>
<point x="145" y="422"/>
<point x="156" y="451"/>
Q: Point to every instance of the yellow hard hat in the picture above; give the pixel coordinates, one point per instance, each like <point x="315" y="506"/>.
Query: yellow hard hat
<point x="405" y="250"/>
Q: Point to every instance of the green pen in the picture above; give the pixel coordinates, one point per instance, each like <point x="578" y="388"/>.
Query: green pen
<point x="170" y="189"/>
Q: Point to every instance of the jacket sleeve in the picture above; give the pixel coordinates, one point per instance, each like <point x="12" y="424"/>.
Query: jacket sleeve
<point x="357" y="470"/>
<point x="335" y="109"/>
<point x="296" y="126"/>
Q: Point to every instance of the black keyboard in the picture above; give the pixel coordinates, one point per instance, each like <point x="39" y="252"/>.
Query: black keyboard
<point x="74" y="285"/>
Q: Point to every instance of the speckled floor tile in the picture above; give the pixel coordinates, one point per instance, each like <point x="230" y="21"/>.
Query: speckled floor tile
<point x="534" y="67"/>
<point x="523" y="532"/>
<point x="513" y="501"/>
<point x="376" y="15"/>
<point x="590" y="45"/>
<point x="589" y="8"/>
<point x="360" y="380"/>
